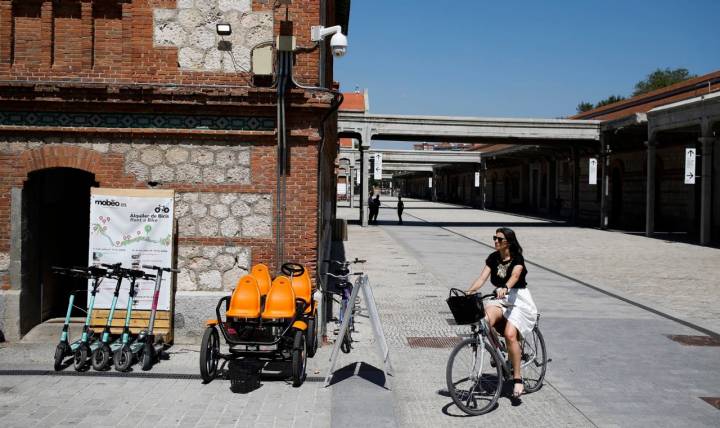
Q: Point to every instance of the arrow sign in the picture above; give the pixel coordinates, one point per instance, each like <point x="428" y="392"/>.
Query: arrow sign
<point x="690" y="166"/>
<point x="592" y="171"/>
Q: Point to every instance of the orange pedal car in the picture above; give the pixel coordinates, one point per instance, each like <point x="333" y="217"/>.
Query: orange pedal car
<point x="264" y="321"/>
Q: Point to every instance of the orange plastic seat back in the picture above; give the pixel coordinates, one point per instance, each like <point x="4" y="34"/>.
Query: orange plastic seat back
<point x="245" y="300"/>
<point x="261" y="273"/>
<point x="280" y="300"/>
<point x="302" y="286"/>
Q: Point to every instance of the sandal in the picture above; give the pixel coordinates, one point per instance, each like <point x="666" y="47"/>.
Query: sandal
<point x="518" y="388"/>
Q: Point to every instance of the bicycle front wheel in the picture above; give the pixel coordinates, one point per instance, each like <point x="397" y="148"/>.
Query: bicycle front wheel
<point x="473" y="374"/>
<point x="534" y="361"/>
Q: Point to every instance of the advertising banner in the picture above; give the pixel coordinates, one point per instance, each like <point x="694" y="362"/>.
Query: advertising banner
<point x="133" y="227"/>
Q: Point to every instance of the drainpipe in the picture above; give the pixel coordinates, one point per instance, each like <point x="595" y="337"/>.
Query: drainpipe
<point x="284" y="69"/>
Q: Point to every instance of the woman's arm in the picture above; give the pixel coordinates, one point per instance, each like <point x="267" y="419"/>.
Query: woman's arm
<point x="514" y="278"/>
<point x="484" y="275"/>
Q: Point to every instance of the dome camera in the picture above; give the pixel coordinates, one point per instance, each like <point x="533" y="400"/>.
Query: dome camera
<point x="338" y="44"/>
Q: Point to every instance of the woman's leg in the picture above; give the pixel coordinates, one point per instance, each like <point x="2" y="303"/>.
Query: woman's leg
<point x="511" y="339"/>
<point x="493" y="314"/>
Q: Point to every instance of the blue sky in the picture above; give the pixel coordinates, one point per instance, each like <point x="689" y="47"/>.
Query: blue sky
<point x="519" y="58"/>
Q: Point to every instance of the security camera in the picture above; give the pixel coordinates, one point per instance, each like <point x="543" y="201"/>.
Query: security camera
<point x="338" y="42"/>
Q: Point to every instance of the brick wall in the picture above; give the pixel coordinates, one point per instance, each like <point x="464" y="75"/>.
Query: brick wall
<point x="113" y="41"/>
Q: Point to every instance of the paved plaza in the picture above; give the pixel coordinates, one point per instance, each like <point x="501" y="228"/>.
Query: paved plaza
<point x="608" y="301"/>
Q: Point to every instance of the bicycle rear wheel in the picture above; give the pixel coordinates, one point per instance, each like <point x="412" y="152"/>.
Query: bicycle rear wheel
<point x="534" y="361"/>
<point x="473" y="374"/>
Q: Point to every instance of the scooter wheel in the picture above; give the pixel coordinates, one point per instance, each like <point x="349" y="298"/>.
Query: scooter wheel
<point x="61" y="351"/>
<point x="148" y="357"/>
<point x="123" y="359"/>
<point x="101" y="357"/>
<point x="82" y="353"/>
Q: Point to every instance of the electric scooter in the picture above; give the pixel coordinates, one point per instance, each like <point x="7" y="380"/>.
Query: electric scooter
<point x="81" y="348"/>
<point x="152" y="349"/>
<point x="102" y="354"/>
<point x="129" y="347"/>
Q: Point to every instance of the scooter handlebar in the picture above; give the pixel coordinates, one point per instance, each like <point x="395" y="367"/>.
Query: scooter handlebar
<point x="165" y="269"/>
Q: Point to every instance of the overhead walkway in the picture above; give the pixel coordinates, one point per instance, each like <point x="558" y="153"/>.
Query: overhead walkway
<point x="368" y="127"/>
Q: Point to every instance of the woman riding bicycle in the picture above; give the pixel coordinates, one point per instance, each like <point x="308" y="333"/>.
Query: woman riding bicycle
<point x="514" y="309"/>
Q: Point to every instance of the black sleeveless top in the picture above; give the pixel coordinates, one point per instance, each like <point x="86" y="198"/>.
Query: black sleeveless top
<point x="500" y="272"/>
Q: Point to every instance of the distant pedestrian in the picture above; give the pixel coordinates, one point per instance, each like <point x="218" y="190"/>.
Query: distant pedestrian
<point x="371" y="208"/>
<point x="400" y="208"/>
<point x="376" y="208"/>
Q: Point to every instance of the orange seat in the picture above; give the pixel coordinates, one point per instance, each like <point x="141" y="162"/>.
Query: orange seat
<point x="245" y="300"/>
<point x="280" y="300"/>
<point x="302" y="286"/>
<point x="261" y="273"/>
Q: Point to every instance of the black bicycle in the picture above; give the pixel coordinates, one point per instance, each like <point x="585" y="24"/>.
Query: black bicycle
<point x="345" y="287"/>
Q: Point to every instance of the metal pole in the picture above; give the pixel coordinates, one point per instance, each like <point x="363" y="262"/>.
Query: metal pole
<point x="706" y="179"/>
<point x="650" y="189"/>
<point x="576" y="185"/>
<point x="605" y="157"/>
<point x="364" y="193"/>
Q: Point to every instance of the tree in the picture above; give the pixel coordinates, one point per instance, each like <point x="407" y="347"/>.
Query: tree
<point x="660" y="79"/>
<point x="610" y="100"/>
<point x="584" y="106"/>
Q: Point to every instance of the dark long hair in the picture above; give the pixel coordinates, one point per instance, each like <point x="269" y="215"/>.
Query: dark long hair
<point x="513" y="244"/>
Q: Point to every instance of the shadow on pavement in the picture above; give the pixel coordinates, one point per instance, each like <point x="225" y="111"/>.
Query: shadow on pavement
<point x="366" y="371"/>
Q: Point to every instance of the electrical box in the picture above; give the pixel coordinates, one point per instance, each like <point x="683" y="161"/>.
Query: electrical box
<point x="262" y="60"/>
<point x="285" y="43"/>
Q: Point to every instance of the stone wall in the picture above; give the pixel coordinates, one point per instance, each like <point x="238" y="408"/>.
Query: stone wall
<point x="211" y="268"/>
<point x="191" y="29"/>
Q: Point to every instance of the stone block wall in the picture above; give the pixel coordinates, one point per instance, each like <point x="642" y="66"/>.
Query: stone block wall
<point x="224" y="203"/>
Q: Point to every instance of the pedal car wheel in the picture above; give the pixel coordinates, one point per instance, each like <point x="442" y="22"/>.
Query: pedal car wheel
<point x="209" y="354"/>
<point x="312" y="339"/>
<point x="60" y="352"/>
<point x="81" y="357"/>
<point x="299" y="359"/>
<point x="101" y="357"/>
<point x="123" y="359"/>
<point x="148" y="357"/>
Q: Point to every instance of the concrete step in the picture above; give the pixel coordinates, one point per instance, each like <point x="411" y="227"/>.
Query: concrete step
<point x="49" y="331"/>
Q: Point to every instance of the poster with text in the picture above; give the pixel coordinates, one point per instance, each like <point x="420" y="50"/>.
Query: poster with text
<point x="133" y="227"/>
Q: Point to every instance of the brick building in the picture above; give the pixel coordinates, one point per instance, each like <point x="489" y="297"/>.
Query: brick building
<point x="145" y="94"/>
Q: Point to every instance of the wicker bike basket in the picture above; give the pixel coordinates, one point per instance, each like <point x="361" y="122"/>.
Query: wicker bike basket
<point x="466" y="308"/>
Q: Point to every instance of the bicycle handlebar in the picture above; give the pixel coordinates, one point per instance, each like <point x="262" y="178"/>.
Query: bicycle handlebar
<point x="345" y="262"/>
<point x="343" y="277"/>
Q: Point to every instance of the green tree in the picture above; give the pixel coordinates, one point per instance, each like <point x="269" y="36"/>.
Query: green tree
<point x="584" y="106"/>
<point x="609" y="100"/>
<point x="660" y="79"/>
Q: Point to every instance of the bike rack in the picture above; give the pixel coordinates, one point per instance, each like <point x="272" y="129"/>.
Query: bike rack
<point x="382" y="347"/>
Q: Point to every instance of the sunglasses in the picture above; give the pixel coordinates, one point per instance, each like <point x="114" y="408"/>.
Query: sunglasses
<point x="498" y="239"/>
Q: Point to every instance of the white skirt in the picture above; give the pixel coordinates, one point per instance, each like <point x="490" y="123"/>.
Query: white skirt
<point x="518" y="308"/>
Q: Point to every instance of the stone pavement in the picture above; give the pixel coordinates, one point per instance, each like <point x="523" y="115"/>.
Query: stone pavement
<point x="171" y="394"/>
<point x="613" y="364"/>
